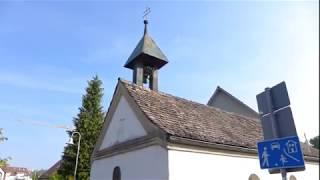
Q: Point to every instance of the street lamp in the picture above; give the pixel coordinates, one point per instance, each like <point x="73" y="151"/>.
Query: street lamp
<point x="71" y="143"/>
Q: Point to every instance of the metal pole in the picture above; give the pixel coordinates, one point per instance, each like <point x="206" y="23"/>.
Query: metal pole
<point x="270" y="109"/>
<point x="274" y="125"/>
<point x="283" y="174"/>
<point x="75" y="169"/>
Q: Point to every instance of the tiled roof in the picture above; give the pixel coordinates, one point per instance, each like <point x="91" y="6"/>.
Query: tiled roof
<point x="183" y="118"/>
<point x="309" y="150"/>
<point x="51" y="170"/>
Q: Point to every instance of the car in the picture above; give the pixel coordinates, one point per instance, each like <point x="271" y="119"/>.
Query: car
<point x="275" y="145"/>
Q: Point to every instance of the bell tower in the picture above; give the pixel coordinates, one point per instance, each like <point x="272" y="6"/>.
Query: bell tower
<point x="145" y="61"/>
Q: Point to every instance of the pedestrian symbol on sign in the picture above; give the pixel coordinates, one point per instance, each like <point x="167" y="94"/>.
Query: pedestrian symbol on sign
<point x="283" y="159"/>
<point x="265" y="157"/>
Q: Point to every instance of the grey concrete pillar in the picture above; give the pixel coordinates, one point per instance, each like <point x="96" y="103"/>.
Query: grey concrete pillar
<point x="138" y="74"/>
<point x="153" y="84"/>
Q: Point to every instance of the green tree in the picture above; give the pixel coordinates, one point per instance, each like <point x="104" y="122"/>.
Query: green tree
<point x="2" y="138"/>
<point x="315" y="142"/>
<point x="36" y="173"/>
<point x="56" y="176"/>
<point x="3" y="161"/>
<point x="88" y="123"/>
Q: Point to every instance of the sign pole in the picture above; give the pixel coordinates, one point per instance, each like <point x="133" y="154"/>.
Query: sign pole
<point x="274" y="124"/>
<point x="283" y="174"/>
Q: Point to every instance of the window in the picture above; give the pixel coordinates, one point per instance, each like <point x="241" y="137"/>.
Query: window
<point x="116" y="173"/>
<point x="254" y="177"/>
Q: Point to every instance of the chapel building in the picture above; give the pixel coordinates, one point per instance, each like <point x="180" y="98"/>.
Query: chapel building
<point x="152" y="135"/>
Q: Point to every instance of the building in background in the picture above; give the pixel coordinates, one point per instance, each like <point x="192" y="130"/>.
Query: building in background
<point x="223" y="100"/>
<point x="51" y="171"/>
<point x="15" y="173"/>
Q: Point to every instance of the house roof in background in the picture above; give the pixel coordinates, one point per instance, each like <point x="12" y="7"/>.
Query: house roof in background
<point x="51" y="170"/>
<point x="16" y="170"/>
<point x="221" y="90"/>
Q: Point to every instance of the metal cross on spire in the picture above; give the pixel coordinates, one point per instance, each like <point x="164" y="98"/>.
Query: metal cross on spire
<point x="145" y="21"/>
<point x="146" y="12"/>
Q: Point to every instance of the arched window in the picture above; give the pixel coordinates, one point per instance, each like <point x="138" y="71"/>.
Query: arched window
<point x="254" y="177"/>
<point x="292" y="177"/>
<point x="116" y="173"/>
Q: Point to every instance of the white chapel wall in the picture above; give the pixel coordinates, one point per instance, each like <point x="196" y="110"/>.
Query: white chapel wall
<point x="1" y="174"/>
<point x="150" y="163"/>
<point x="201" y="166"/>
<point x="124" y="125"/>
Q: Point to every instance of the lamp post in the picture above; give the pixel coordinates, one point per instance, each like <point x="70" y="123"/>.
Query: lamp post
<point x="71" y="142"/>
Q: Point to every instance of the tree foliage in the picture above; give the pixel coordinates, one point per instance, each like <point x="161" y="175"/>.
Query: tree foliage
<point x="3" y="161"/>
<point x="88" y="123"/>
<point x="36" y="174"/>
<point x="315" y="142"/>
<point x="2" y="137"/>
<point x="57" y="176"/>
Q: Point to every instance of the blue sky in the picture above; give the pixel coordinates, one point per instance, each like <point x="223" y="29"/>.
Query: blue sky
<point x="49" y="50"/>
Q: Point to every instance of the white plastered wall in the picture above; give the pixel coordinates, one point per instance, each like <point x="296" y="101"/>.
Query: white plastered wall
<point x="1" y="174"/>
<point x="124" y="126"/>
<point x="150" y="163"/>
<point x="208" y="166"/>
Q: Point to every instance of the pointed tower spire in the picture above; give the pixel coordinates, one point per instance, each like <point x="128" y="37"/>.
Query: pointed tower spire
<point x="145" y="61"/>
<point x="145" y="27"/>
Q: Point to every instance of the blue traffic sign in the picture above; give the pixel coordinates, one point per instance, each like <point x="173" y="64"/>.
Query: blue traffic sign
<point x="280" y="153"/>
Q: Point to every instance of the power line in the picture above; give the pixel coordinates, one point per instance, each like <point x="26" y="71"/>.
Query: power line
<point x="45" y="124"/>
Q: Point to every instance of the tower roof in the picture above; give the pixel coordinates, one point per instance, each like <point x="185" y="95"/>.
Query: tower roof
<point x="146" y="52"/>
